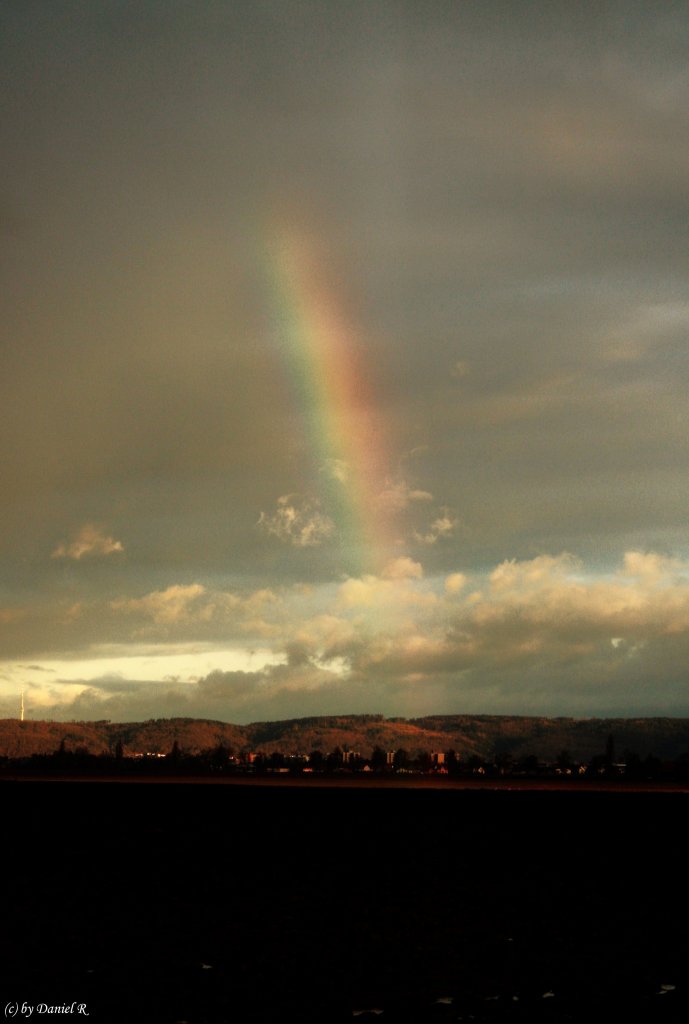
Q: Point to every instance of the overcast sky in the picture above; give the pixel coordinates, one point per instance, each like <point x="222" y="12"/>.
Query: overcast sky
<point x="344" y="358"/>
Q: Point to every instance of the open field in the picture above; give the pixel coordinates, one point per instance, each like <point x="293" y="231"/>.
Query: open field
<point x="212" y="903"/>
<point x="509" y="784"/>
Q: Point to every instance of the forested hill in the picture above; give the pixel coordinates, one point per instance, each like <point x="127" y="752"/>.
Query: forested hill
<point x="482" y="735"/>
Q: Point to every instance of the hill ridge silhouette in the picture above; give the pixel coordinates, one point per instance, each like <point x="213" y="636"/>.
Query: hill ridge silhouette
<point x="468" y="735"/>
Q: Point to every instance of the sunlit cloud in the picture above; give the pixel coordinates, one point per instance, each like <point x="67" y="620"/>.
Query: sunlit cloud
<point x="651" y="567"/>
<point x="89" y="542"/>
<point x="297" y="521"/>
<point x="455" y="582"/>
<point x="403" y="568"/>
<point x="166" y="607"/>
<point x="439" y="529"/>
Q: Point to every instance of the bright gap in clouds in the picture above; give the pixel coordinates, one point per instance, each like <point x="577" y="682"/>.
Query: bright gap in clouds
<point x="164" y="663"/>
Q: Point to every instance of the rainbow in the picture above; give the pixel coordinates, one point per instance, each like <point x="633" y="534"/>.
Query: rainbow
<point x="333" y="389"/>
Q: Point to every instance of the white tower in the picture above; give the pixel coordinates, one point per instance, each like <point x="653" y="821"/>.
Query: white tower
<point x="21" y="708"/>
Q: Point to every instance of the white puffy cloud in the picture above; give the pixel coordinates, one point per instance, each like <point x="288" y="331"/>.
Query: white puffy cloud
<point x="298" y="521"/>
<point x="442" y="527"/>
<point x="650" y="566"/>
<point x="512" y="575"/>
<point x="189" y="610"/>
<point x="540" y="614"/>
<point x="385" y="595"/>
<point x="90" y="541"/>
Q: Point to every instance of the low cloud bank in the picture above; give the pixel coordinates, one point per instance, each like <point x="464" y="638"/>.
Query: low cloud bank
<point x="539" y="636"/>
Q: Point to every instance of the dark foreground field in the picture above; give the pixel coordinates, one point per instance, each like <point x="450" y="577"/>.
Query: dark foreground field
<point x="228" y="903"/>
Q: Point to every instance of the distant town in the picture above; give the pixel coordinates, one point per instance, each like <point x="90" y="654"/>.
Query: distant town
<point x="224" y="761"/>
